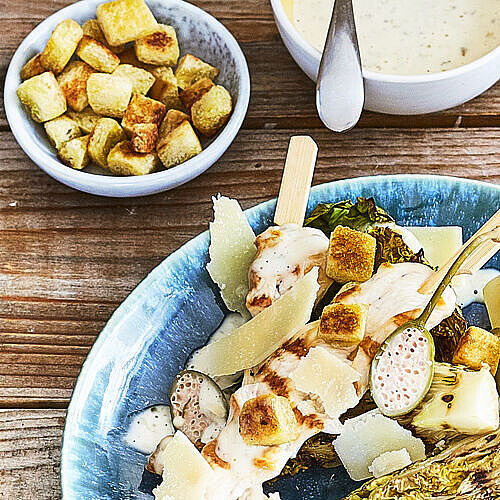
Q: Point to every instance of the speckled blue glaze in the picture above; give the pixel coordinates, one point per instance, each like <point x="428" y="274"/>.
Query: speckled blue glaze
<point x="176" y="308"/>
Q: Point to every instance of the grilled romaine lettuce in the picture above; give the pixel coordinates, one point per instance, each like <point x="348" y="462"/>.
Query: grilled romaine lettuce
<point x="362" y="215"/>
<point x="468" y="469"/>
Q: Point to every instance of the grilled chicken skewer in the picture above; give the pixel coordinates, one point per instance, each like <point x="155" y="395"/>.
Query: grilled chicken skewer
<point x="288" y="251"/>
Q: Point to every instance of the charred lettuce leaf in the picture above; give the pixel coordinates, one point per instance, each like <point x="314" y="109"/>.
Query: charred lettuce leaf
<point x="361" y="215"/>
<point x="391" y="248"/>
<point x="447" y="335"/>
<point x="468" y="469"/>
<point x="317" y="451"/>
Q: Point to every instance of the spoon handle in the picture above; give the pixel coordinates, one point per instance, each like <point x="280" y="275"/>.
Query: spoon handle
<point x="339" y="90"/>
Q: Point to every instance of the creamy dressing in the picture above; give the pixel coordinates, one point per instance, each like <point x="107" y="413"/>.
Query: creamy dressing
<point x="408" y="37"/>
<point x="148" y="428"/>
<point x="469" y="287"/>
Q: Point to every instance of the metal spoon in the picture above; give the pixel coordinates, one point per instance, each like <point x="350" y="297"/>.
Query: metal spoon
<point x="339" y="90"/>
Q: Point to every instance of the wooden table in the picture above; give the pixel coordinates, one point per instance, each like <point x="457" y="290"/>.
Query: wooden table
<point x="67" y="259"/>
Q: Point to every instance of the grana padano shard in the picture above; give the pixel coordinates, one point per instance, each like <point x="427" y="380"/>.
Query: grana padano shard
<point x="254" y="341"/>
<point x="186" y="474"/>
<point x="231" y="250"/>
<point x="439" y="243"/>
<point x="331" y="379"/>
<point x="389" y="462"/>
<point x="368" y="436"/>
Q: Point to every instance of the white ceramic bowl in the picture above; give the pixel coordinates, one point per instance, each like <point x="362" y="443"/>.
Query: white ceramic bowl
<point x="199" y="33"/>
<point x="401" y="95"/>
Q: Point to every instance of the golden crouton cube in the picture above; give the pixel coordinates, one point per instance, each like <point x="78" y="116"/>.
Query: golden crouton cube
<point x="109" y="95"/>
<point x="165" y="88"/>
<point x="143" y="137"/>
<point x="142" y="110"/>
<point x="91" y="28"/>
<point x="477" y="347"/>
<point x="195" y="92"/>
<point x="61" y="46"/>
<point x="73" y="83"/>
<point x="106" y="134"/>
<point x="32" y="68"/>
<point x="128" y="57"/>
<point x="191" y="69"/>
<point x="351" y="255"/>
<point x="159" y="48"/>
<point x="74" y="153"/>
<point x="97" y="55"/>
<point x="212" y="110"/>
<point x="268" y="420"/>
<point x="172" y="120"/>
<point x="61" y="129"/>
<point x="86" y="119"/>
<point x="124" y="21"/>
<point x="178" y="146"/>
<point x="343" y="325"/>
<point x="141" y="79"/>
<point x="42" y="95"/>
<point x="123" y="160"/>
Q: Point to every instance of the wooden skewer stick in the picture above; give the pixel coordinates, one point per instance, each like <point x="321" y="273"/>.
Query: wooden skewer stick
<point x="296" y="181"/>
<point x="475" y="262"/>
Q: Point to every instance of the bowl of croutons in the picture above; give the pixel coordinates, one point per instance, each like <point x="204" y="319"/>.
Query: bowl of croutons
<point x="127" y="97"/>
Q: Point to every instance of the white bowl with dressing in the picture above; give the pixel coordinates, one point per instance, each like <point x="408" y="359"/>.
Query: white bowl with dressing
<point x="402" y="94"/>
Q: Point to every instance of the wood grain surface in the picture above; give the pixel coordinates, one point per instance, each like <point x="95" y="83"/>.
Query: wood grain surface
<point x="67" y="259"/>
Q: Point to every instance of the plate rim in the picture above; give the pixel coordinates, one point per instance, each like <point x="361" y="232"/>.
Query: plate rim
<point x="70" y="426"/>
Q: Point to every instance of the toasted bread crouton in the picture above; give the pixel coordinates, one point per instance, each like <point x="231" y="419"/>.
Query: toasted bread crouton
<point x="165" y="88"/>
<point x="179" y="145"/>
<point x="195" y="92"/>
<point x="212" y="110"/>
<point x="106" y="134"/>
<point x="343" y="325"/>
<point x="191" y="69"/>
<point x="128" y="57"/>
<point x="32" y="68"/>
<point x="123" y="160"/>
<point x="61" y="129"/>
<point x="86" y="119"/>
<point x="42" y="95"/>
<point x="91" y="28"/>
<point x="141" y="79"/>
<point x="172" y="120"/>
<point x="351" y="255"/>
<point x="477" y="347"/>
<point x="142" y="110"/>
<point x="109" y="95"/>
<point x="61" y="46"/>
<point x="74" y="153"/>
<point x="97" y="55"/>
<point x="124" y="21"/>
<point x="159" y="48"/>
<point x="268" y="420"/>
<point x="73" y="83"/>
<point x="143" y="137"/>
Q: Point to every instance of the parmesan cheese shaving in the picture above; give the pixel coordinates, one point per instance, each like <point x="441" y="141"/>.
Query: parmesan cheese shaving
<point x="366" y="437"/>
<point x="254" y="341"/>
<point x="231" y="250"/>
<point x="389" y="462"/>
<point x="331" y="379"/>
<point x="186" y="474"/>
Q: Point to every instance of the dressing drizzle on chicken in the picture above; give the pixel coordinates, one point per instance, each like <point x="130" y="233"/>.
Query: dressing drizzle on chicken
<point x="284" y="255"/>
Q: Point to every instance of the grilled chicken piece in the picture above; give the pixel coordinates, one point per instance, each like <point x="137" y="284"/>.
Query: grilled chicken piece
<point x="393" y="299"/>
<point x="284" y="255"/>
<point x="241" y="469"/>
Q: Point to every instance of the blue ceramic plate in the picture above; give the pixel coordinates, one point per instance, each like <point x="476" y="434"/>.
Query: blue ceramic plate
<point x="176" y="309"/>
